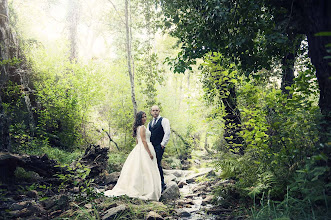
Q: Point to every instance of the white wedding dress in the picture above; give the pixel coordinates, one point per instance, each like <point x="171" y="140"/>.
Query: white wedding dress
<point x="140" y="177"/>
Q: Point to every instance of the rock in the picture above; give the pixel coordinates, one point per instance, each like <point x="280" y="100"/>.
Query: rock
<point x="75" y="189"/>
<point x="190" y="196"/>
<point x="109" y="187"/>
<point x="199" y="188"/>
<point x="25" y="209"/>
<point x="193" y="177"/>
<point x="62" y="202"/>
<point x="19" y="197"/>
<point x="21" y="213"/>
<point x="49" y="203"/>
<point x="185" y="202"/>
<point x="178" y="173"/>
<point x="112" y="178"/>
<point x="111" y="213"/>
<point x="171" y="192"/>
<point x="19" y="205"/>
<point x="207" y="200"/>
<point x="181" y="184"/>
<point x="88" y="206"/>
<point x="183" y="213"/>
<point x="190" y="180"/>
<point x="36" y="209"/>
<point x="32" y="194"/>
<point x="169" y="178"/>
<point x="197" y="162"/>
<point x="153" y="216"/>
<point x="218" y="211"/>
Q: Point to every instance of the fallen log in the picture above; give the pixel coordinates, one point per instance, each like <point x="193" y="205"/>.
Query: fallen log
<point x="96" y="159"/>
<point x="44" y="166"/>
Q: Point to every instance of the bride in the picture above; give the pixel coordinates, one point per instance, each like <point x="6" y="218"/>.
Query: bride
<point x="140" y="177"/>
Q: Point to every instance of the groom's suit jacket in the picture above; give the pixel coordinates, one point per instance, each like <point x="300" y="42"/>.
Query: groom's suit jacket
<point x="157" y="132"/>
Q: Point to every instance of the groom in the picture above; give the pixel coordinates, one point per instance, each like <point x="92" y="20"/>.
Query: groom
<point x="160" y="134"/>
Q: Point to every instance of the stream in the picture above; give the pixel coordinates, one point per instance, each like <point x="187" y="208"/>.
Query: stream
<point x="196" y="211"/>
<point x="193" y="202"/>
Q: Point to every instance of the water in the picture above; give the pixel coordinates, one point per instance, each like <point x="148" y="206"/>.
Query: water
<point x="196" y="210"/>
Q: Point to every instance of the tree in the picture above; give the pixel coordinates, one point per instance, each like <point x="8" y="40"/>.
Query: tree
<point x="73" y="18"/>
<point x="129" y="56"/>
<point x="253" y="34"/>
<point x="7" y="52"/>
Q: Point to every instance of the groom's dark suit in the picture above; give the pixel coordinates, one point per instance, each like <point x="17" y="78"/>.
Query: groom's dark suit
<point x="157" y="134"/>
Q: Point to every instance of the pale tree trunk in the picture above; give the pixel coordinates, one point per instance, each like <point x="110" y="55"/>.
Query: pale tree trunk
<point x="288" y="62"/>
<point x="6" y="52"/>
<point x="73" y="18"/>
<point x="129" y="56"/>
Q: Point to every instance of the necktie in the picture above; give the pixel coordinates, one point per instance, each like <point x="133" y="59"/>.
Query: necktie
<point x="154" y="122"/>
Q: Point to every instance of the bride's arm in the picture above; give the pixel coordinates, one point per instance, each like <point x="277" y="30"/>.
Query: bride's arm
<point x="143" y="139"/>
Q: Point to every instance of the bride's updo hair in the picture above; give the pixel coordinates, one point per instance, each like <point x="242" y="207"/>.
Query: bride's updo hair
<point x="137" y="122"/>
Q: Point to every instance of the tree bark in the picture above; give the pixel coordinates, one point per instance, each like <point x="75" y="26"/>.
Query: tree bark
<point x="319" y="17"/>
<point x="129" y="57"/>
<point x="288" y="72"/>
<point x="73" y="17"/>
<point x="232" y="122"/>
<point x="6" y="42"/>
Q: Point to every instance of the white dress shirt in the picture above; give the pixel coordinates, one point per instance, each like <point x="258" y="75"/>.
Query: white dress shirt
<point x="166" y="127"/>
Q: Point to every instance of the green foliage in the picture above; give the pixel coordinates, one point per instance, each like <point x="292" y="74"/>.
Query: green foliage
<point x="251" y="34"/>
<point x="280" y="133"/>
<point x="77" y="177"/>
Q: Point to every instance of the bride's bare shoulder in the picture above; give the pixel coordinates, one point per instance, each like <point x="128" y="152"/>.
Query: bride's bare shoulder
<point x="142" y="127"/>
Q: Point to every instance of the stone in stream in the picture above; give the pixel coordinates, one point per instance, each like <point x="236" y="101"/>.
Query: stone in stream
<point x="171" y="192"/>
<point x="169" y="178"/>
<point x="183" y="202"/>
<point x="199" y="188"/>
<point x="183" y="213"/>
<point x="181" y="184"/>
<point x="207" y="200"/>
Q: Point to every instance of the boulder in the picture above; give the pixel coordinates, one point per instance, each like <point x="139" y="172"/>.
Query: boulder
<point x="113" y="212"/>
<point x="169" y="178"/>
<point x="171" y="192"/>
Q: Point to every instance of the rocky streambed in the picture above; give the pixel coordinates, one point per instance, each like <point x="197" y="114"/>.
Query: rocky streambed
<point x="195" y="200"/>
<point x="70" y="195"/>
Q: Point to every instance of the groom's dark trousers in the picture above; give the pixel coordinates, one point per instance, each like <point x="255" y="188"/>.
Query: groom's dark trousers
<point x="159" y="153"/>
<point x="157" y="134"/>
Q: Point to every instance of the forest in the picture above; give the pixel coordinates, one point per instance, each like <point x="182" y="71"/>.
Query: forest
<point x="246" y="86"/>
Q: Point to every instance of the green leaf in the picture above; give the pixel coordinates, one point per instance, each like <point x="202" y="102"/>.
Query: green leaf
<point x="323" y="34"/>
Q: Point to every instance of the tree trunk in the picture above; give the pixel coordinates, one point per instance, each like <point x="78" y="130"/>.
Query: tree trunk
<point x="129" y="57"/>
<point x="232" y="122"/>
<point x="288" y="72"/>
<point x="6" y="45"/>
<point x="73" y="17"/>
<point x="289" y="60"/>
<point x="318" y="13"/>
